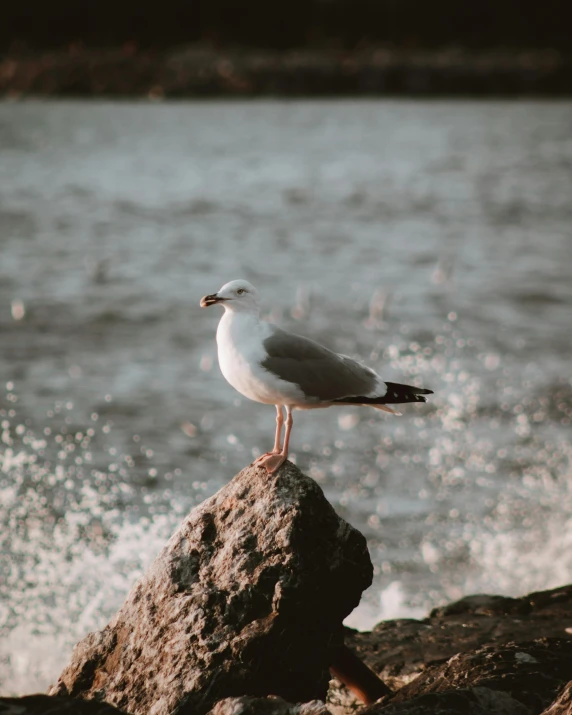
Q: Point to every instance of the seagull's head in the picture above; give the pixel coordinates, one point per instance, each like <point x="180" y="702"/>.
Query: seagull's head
<point x="237" y="295"/>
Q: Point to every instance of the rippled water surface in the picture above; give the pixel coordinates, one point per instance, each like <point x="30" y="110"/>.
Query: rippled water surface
<point x="431" y="239"/>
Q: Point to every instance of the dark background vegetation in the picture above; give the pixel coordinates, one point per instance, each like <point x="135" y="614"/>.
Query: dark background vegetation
<point x="284" y="24"/>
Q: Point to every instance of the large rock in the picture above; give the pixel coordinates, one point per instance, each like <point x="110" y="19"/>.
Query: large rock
<point x="247" y="705"/>
<point x="398" y="650"/>
<point x="47" y="705"/>
<point x="247" y="598"/>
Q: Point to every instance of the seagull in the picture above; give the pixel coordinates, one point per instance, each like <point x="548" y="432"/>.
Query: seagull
<point x="275" y="367"/>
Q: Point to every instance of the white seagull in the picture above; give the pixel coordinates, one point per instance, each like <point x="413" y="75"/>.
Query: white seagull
<point x="269" y="365"/>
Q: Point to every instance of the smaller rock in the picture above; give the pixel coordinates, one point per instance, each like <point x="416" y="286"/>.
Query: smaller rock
<point x="563" y="703"/>
<point x="399" y="650"/>
<point x="483" y="604"/>
<point x="272" y="705"/>
<point x="48" y="705"/>
<point x="545" y="603"/>
<point x="466" y="701"/>
<point x="532" y="673"/>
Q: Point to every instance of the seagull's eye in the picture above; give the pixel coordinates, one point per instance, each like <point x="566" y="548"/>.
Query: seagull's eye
<point x="240" y="291"/>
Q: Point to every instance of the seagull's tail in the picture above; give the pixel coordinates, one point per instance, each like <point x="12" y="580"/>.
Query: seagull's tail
<point x="396" y="394"/>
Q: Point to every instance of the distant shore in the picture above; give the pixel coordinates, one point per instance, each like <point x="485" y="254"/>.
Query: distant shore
<point x="201" y="71"/>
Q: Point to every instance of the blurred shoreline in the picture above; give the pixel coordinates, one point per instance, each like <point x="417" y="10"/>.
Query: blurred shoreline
<point x="201" y="71"/>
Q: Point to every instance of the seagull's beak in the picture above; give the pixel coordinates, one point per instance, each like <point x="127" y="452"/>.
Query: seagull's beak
<point x="210" y="300"/>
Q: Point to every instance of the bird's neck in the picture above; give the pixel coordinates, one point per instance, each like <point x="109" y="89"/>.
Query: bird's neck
<point x="237" y="324"/>
<point x="234" y="309"/>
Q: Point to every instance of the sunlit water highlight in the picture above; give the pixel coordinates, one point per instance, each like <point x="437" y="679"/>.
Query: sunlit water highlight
<point x="430" y="239"/>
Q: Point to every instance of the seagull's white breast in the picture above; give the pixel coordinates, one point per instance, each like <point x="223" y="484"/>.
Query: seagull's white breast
<point x="240" y="339"/>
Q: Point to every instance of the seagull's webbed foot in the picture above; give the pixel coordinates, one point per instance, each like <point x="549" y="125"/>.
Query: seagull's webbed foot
<point x="271" y="462"/>
<point x="262" y="457"/>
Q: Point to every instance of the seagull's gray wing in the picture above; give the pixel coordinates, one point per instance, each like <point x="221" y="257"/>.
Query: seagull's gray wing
<point x="320" y="373"/>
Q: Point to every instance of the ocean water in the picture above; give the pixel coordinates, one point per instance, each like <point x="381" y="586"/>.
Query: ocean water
<point x="431" y="239"/>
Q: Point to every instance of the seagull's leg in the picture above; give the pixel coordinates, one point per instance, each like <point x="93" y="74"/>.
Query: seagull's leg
<point x="273" y="462"/>
<point x="289" y="423"/>
<point x="277" y="440"/>
<point x="279" y="422"/>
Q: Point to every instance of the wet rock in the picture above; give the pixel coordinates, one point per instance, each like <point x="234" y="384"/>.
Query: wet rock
<point x="47" y="705"/>
<point x="531" y="673"/>
<point x="563" y="703"/>
<point x="400" y="649"/>
<point x="247" y="598"/>
<point x="267" y="706"/>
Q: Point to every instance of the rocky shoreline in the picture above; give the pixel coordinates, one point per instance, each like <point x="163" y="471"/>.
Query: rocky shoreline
<point x="241" y="614"/>
<point x="201" y="71"/>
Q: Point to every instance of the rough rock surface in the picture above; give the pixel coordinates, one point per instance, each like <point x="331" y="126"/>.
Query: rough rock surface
<point x="398" y="650"/>
<point x="531" y="673"/>
<point x="247" y="598"/>
<point x="465" y="701"/>
<point x="47" y="705"/>
<point x="246" y="705"/>
<point x="563" y="703"/>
